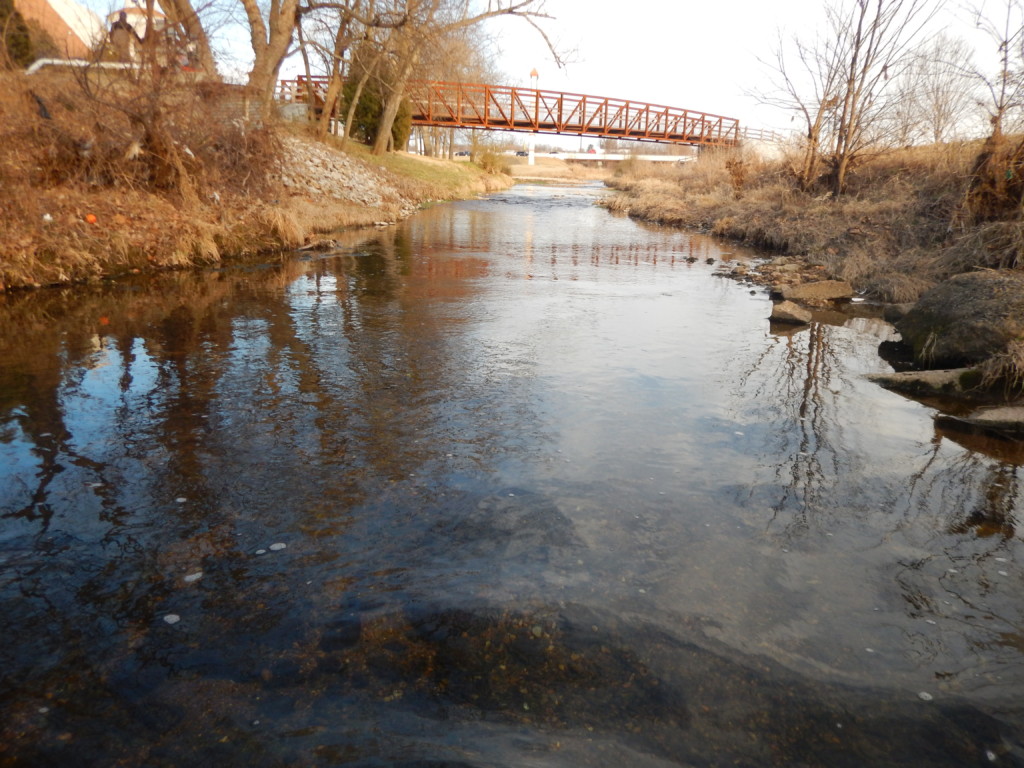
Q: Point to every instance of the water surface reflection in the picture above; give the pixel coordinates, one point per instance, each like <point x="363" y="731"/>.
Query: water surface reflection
<point x="515" y="483"/>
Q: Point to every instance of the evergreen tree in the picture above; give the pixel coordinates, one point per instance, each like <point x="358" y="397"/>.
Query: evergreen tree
<point x="16" y="47"/>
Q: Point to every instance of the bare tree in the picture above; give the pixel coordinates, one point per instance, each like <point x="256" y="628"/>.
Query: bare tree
<point x="429" y="21"/>
<point x="841" y="78"/>
<point x="946" y="93"/>
<point x="936" y="97"/>
<point x="874" y="38"/>
<point x="1006" y="88"/>
<point x="336" y="26"/>
<point x="809" y="89"/>
<point x="182" y="14"/>
<point x="996" y="188"/>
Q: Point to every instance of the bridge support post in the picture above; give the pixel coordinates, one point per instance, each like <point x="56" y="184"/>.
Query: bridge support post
<point x="531" y="160"/>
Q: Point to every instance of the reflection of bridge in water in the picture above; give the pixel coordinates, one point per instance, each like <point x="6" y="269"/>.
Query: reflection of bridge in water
<point x="511" y="108"/>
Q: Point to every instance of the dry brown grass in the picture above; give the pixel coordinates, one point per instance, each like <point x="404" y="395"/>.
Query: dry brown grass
<point x="101" y="174"/>
<point x="1005" y="369"/>
<point x="106" y="173"/>
<point x="891" y="235"/>
<point x="995" y="245"/>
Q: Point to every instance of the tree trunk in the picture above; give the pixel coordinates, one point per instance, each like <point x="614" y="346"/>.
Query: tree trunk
<point x="341" y="40"/>
<point x="181" y="13"/>
<point x="270" y="40"/>
<point x="392" y="105"/>
<point x="310" y="93"/>
<point x="350" y="114"/>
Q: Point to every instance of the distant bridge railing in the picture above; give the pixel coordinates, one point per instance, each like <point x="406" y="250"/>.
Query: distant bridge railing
<point x="762" y="134"/>
<point x="511" y="108"/>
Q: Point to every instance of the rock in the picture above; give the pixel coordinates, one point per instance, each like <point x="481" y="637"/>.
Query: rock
<point x="966" y="319"/>
<point x="929" y="382"/>
<point x="823" y="289"/>
<point x="788" y="312"/>
<point x="1005" y="421"/>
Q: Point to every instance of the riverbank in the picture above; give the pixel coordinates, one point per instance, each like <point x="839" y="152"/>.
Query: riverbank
<point x="93" y="183"/>
<point x="895" y="233"/>
<point x="909" y="221"/>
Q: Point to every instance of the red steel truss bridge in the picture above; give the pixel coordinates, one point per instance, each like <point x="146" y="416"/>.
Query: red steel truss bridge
<point x="512" y="108"/>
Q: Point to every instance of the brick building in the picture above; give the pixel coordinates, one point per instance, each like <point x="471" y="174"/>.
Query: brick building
<point x="74" y="29"/>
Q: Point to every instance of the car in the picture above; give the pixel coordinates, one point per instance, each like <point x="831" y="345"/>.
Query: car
<point x="522" y="153"/>
<point x="462" y="153"/>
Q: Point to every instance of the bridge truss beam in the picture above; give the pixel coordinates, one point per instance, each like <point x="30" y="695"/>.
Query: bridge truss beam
<point x="511" y="108"/>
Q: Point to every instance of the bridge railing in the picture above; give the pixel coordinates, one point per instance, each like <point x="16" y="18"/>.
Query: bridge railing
<point x="502" y="107"/>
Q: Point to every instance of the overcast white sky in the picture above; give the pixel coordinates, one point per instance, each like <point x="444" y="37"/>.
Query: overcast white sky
<point x="699" y="56"/>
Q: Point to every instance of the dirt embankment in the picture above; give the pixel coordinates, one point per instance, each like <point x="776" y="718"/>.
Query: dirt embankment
<point x="103" y="174"/>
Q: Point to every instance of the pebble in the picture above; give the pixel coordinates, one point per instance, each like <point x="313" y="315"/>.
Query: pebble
<point x="172" y="618"/>
<point x="925" y="696"/>
<point x="193" y="577"/>
<point x="181" y="499"/>
<point x="277" y="546"/>
<point x="261" y="551"/>
<point x="1003" y="573"/>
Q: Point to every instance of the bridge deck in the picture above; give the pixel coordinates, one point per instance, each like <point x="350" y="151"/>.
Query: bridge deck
<point x="510" y="108"/>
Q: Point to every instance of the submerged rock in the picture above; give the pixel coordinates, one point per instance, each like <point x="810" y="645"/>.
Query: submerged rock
<point x="966" y="319"/>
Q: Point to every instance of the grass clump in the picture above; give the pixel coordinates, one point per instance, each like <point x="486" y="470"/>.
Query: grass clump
<point x="896" y="231"/>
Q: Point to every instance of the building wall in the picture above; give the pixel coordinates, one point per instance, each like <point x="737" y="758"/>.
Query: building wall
<point x="69" y="41"/>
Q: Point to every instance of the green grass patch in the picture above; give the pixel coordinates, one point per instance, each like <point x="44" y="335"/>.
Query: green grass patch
<point x="435" y="172"/>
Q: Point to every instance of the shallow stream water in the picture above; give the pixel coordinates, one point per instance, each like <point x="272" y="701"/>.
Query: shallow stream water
<point x="515" y="483"/>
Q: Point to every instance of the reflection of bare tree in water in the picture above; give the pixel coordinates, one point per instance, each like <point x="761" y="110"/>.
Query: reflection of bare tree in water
<point x="961" y="507"/>
<point x="994" y="513"/>
<point x="791" y="387"/>
<point x="968" y="493"/>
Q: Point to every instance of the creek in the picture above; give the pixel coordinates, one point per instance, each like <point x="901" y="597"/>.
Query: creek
<point x="515" y="483"/>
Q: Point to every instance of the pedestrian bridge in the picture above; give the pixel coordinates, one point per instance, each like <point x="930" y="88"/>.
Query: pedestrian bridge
<point x="513" y="108"/>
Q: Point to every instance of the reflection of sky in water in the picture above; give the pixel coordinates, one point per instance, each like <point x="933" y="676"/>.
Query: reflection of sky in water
<point x="388" y="411"/>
